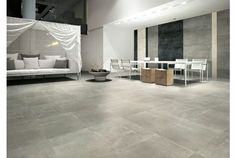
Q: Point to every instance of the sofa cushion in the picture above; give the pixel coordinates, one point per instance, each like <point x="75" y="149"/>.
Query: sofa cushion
<point x="13" y="56"/>
<point x="29" y="72"/>
<point x="47" y="63"/>
<point x="61" y="63"/>
<point x="30" y="56"/>
<point x="19" y="64"/>
<point x="10" y="64"/>
<point x="31" y="63"/>
<point x="52" y="57"/>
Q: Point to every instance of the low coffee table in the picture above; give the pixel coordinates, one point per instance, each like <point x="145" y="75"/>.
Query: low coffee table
<point x="100" y="76"/>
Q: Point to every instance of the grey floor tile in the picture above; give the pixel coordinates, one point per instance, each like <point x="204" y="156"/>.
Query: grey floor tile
<point x="156" y="147"/>
<point x="217" y="147"/>
<point x="153" y="122"/>
<point x="196" y="156"/>
<point x="82" y="143"/>
<point x="190" y="135"/>
<point x="121" y="133"/>
<point x="39" y="149"/>
<point x="119" y="119"/>
<point x="60" y="124"/>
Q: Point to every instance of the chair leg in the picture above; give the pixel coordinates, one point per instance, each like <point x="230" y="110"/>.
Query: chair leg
<point x="200" y="75"/>
<point x="130" y="74"/>
<point x="207" y="72"/>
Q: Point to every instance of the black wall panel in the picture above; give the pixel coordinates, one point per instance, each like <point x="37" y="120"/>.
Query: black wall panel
<point x="135" y="44"/>
<point x="170" y="41"/>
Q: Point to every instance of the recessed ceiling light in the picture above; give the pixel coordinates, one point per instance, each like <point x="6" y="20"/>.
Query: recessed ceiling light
<point x="117" y="23"/>
<point x="163" y="9"/>
<point x="183" y="3"/>
<point x="177" y="5"/>
<point x="154" y="12"/>
<point x="126" y="20"/>
<point x="170" y="7"/>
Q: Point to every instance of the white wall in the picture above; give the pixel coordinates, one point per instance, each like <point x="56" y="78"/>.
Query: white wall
<point x="92" y="50"/>
<point x="102" y="12"/>
<point x="102" y="45"/>
<point x="118" y="43"/>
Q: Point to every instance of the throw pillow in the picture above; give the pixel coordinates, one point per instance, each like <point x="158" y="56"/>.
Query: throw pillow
<point x="13" y="56"/>
<point x="30" y="56"/>
<point x="19" y="64"/>
<point x="61" y="63"/>
<point x="48" y="63"/>
<point x="10" y="64"/>
<point x="31" y="63"/>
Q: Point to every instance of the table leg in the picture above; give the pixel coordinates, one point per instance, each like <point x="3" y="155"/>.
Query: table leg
<point x="200" y="75"/>
<point x="185" y="76"/>
<point x="207" y="72"/>
<point x="130" y="69"/>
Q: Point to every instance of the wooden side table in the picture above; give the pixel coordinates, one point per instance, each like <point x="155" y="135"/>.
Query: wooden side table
<point x="148" y="75"/>
<point x="164" y="77"/>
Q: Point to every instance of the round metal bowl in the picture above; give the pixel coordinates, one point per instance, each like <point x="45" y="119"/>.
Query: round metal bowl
<point x="99" y="76"/>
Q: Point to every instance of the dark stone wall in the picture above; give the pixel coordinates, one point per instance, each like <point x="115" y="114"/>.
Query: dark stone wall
<point x="135" y="44"/>
<point x="170" y="41"/>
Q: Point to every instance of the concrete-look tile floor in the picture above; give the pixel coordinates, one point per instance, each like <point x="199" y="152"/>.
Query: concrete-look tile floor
<point x="118" y="119"/>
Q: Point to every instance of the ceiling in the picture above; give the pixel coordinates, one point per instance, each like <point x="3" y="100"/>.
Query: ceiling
<point x="54" y="9"/>
<point x="171" y="11"/>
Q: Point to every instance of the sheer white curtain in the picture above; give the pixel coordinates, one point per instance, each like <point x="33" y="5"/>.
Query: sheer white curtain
<point x="17" y="26"/>
<point x="67" y="35"/>
<point x="69" y="38"/>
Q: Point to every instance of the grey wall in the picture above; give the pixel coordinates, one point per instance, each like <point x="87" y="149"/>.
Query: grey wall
<point x="153" y="42"/>
<point x="197" y="38"/>
<point x="223" y="54"/>
<point x="197" y="41"/>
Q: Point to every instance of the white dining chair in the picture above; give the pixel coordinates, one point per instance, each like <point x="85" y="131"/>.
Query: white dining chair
<point x="127" y="66"/>
<point x="156" y="59"/>
<point x="115" y="66"/>
<point x="200" y="66"/>
<point x="180" y="66"/>
<point x="146" y="59"/>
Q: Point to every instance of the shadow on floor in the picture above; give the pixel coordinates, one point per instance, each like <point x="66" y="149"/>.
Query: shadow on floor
<point x="93" y="80"/>
<point x="133" y="77"/>
<point x="37" y="80"/>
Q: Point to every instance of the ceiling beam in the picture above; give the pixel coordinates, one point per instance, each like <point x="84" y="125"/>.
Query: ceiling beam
<point x="44" y="12"/>
<point x="51" y="3"/>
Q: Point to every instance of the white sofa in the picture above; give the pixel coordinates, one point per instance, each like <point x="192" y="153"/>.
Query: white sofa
<point x="22" y="69"/>
<point x="31" y="72"/>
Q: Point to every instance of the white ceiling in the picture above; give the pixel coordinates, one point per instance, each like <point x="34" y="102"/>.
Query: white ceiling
<point x="172" y="11"/>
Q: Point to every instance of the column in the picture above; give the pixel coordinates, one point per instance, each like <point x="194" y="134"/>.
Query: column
<point x="141" y="44"/>
<point x="214" y="45"/>
<point x="28" y="9"/>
